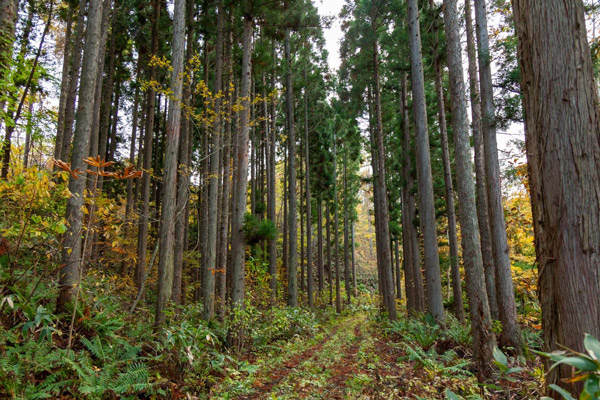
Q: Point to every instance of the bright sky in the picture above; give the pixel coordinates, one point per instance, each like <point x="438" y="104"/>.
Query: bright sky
<point x="334" y="34"/>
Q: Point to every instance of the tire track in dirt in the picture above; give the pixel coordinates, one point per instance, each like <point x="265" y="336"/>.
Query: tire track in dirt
<point x="278" y="375"/>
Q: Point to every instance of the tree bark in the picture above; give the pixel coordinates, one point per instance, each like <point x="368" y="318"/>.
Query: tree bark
<point x="481" y="323"/>
<point x="562" y="127"/>
<point x="483" y="216"/>
<point x="166" y="258"/>
<point x="413" y="280"/>
<point x="147" y="163"/>
<point x="63" y="151"/>
<point x="458" y="307"/>
<point x="211" y="246"/>
<point x="427" y="219"/>
<point x="511" y="332"/>
<point x="71" y="258"/>
<point x="238" y="242"/>
<point x="309" y="264"/>
<point x="183" y="182"/>
<point x="292" y="217"/>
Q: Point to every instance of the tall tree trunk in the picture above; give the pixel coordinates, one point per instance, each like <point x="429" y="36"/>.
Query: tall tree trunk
<point x="459" y="309"/>
<point x="481" y="323"/>
<point x="562" y="127"/>
<point x="338" y="300"/>
<point x="147" y="164"/>
<point x="71" y="259"/>
<point x="213" y="204"/>
<point x="224" y="232"/>
<point x="435" y="304"/>
<point x="64" y="82"/>
<point x="63" y="151"/>
<point x="309" y="263"/>
<point x="507" y="308"/>
<point x="383" y="218"/>
<point x="347" y="273"/>
<point x="413" y="280"/>
<point x="329" y="266"/>
<point x="183" y="181"/>
<point x="292" y="217"/>
<point x="134" y="133"/>
<point x="238" y="241"/>
<point x="483" y="216"/>
<point x="321" y="271"/>
<point x="168" y="213"/>
<point x="271" y="196"/>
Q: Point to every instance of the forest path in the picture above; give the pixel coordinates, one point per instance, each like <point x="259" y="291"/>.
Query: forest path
<point x="350" y="361"/>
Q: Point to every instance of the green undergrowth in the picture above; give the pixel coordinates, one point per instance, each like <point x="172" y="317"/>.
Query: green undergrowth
<point x="117" y="355"/>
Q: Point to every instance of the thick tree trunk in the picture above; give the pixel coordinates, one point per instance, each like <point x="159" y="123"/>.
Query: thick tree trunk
<point x="166" y="258"/>
<point x="511" y="332"/>
<point x="481" y="324"/>
<point x="71" y="259"/>
<point x="292" y="217"/>
<point x="427" y="219"/>
<point x="562" y="128"/>
<point x="483" y="216"/>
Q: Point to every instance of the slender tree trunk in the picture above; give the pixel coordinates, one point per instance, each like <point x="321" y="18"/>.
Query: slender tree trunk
<point x="347" y="272"/>
<point x="354" y="263"/>
<point x="459" y="309"/>
<point x="507" y="308"/>
<point x="211" y="247"/>
<point x="329" y="266"/>
<point x="321" y="272"/>
<point x="238" y="242"/>
<point x="562" y="127"/>
<point x="71" y="259"/>
<point x="271" y="197"/>
<point x="427" y="219"/>
<point x="28" y="135"/>
<point x="64" y="83"/>
<point x="413" y="280"/>
<point x="481" y="323"/>
<point x="134" y="129"/>
<point x="147" y="164"/>
<point x="224" y="240"/>
<point x="168" y="213"/>
<point x="292" y="218"/>
<point x="338" y="300"/>
<point x="483" y="216"/>
<point x="309" y="263"/>
<point x="183" y="183"/>
<point x="63" y="151"/>
<point x="383" y="218"/>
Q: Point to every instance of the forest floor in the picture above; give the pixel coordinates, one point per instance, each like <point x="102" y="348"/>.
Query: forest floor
<point x="352" y="358"/>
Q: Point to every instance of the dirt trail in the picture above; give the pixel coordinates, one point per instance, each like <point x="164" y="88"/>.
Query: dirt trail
<point x="336" y="367"/>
